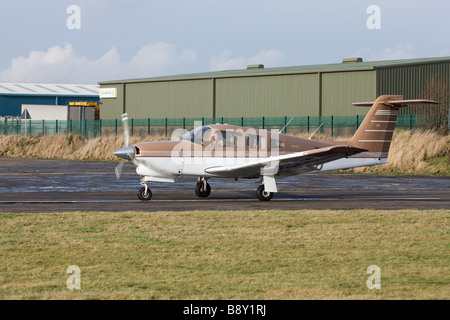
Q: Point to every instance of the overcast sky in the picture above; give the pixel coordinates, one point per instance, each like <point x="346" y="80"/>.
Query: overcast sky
<point x="50" y="41"/>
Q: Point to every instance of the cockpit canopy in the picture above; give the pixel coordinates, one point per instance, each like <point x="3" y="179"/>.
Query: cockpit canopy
<point x="198" y="135"/>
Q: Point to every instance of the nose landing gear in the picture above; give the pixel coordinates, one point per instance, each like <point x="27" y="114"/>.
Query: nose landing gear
<point x="144" y="193"/>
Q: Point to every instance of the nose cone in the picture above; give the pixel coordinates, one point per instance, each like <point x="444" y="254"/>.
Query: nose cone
<point x="125" y="153"/>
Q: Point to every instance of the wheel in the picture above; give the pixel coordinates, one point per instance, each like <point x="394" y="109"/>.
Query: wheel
<point x="262" y="195"/>
<point x="201" y="191"/>
<point x="144" y="196"/>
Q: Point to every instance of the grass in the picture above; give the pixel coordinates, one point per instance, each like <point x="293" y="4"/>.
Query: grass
<point x="226" y="255"/>
<point x="418" y="153"/>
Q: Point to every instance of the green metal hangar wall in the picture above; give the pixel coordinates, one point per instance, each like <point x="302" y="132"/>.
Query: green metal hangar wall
<point x="318" y="90"/>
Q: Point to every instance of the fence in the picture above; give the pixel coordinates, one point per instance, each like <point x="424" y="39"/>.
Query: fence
<point x="333" y="126"/>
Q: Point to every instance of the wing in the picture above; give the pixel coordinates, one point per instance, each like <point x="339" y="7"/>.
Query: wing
<point x="286" y="164"/>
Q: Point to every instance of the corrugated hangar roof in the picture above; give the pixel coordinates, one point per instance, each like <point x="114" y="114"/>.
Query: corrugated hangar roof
<point x="49" y="89"/>
<point x="355" y="64"/>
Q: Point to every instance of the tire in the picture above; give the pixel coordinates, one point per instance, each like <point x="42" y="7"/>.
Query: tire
<point x="201" y="192"/>
<point x="144" y="196"/>
<point x="262" y="195"/>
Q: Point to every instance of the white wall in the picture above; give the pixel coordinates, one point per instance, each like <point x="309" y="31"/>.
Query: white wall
<point x="46" y="112"/>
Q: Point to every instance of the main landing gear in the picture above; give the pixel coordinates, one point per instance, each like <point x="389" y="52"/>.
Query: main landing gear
<point x="202" y="188"/>
<point x="263" y="195"/>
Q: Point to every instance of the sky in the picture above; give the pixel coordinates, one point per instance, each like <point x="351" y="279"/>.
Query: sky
<point x="88" y="41"/>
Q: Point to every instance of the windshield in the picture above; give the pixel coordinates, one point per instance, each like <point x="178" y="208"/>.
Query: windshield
<point x="198" y="135"/>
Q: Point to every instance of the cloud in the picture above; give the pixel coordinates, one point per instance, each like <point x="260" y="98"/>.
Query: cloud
<point x="225" y="60"/>
<point x="160" y="58"/>
<point x="64" y="65"/>
<point x="444" y="53"/>
<point x="401" y="51"/>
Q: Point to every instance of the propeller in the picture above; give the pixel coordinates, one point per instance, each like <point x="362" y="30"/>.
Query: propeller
<point x="127" y="152"/>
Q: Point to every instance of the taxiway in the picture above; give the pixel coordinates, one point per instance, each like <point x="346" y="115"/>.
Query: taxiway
<point x="28" y="185"/>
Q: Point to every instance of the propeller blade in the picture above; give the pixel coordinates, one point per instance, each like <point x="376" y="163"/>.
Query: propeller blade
<point x="126" y="152"/>
<point x="126" y="132"/>
<point x="119" y="168"/>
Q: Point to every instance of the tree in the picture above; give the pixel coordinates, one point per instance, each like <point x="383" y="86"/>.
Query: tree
<point x="435" y="117"/>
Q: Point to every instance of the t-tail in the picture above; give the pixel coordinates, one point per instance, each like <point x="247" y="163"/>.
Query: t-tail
<point x="375" y="132"/>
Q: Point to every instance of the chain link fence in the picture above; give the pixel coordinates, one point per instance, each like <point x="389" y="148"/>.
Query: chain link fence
<point x="331" y="125"/>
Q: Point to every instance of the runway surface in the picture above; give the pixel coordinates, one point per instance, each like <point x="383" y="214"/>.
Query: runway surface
<point x="28" y="186"/>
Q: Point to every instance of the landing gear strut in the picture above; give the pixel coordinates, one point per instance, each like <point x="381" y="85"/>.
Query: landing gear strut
<point x="263" y="195"/>
<point x="202" y="188"/>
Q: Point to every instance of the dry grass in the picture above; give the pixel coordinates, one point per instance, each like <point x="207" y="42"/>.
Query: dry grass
<point x="226" y="255"/>
<point x="411" y="153"/>
<point x="67" y="147"/>
<point x="425" y="152"/>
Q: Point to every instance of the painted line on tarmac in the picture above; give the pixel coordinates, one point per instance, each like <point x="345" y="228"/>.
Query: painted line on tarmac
<point x="207" y="201"/>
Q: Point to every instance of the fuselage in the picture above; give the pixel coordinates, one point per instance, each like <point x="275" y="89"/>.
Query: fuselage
<point x="226" y="145"/>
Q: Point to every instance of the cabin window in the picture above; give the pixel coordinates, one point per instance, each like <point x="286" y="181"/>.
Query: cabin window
<point x="276" y="143"/>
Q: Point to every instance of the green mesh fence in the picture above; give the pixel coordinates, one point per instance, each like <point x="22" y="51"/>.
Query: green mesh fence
<point x="330" y="125"/>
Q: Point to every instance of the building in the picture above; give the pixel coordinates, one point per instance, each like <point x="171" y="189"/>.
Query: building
<point x="317" y="90"/>
<point x="14" y="95"/>
<point x="73" y="111"/>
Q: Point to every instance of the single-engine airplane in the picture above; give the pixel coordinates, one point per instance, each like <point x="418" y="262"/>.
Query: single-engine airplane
<point x="228" y="151"/>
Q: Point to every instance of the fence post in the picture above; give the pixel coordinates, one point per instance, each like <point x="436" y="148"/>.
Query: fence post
<point x="148" y="126"/>
<point x="410" y="122"/>
<point x="242" y="121"/>
<point x="263" y="122"/>
<point x="132" y="126"/>
<point x="115" y="127"/>
<point x="357" y="121"/>
<point x="307" y="123"/>
<point x="184" y="123"/>
<point x="43" y="127"/>
<point x="285" y="124"/>
<point x="166" y="127"/>
<point x="332" y="126"/>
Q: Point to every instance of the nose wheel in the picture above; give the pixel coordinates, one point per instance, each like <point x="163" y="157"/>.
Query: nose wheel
<point x="144" y="194"/>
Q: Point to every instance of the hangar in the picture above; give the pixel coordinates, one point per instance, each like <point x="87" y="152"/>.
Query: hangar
<point x="14" y="95"/>
<point x="316" y="90"/>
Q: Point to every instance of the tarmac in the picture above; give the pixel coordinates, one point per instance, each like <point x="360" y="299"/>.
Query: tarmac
<point x="32" y="186"/>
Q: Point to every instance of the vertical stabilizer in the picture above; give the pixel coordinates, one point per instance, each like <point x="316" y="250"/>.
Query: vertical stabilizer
<point x="375" y="132"/>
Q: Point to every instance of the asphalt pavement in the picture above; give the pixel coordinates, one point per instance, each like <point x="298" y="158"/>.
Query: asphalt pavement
<point x="31" y="185"/>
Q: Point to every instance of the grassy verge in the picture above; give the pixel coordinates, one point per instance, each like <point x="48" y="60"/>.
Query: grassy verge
<point x="226" y="255"/>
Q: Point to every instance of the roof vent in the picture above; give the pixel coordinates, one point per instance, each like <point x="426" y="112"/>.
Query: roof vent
<point x="352" y="60"/>
<point x="255" y="66"/>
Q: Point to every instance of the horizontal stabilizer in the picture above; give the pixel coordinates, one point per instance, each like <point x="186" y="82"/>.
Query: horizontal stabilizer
<point x="397" y="103"/>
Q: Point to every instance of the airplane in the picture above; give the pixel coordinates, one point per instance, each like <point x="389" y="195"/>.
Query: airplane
<point x="228" y="151"/>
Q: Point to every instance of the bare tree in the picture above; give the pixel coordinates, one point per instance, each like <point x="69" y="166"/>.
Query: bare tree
<point x="435" y="117"/>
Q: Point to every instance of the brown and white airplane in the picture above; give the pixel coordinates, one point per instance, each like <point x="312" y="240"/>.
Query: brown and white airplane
<point x="227" y="151"/>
